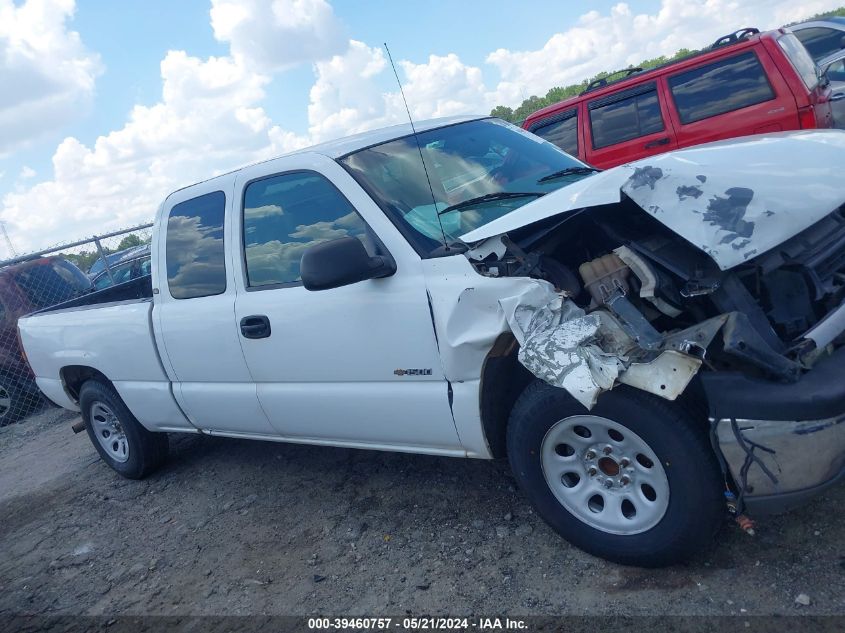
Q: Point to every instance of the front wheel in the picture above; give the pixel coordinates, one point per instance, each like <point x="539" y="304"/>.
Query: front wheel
<point x="634" y="480"/>
<point x="122" y="442"/>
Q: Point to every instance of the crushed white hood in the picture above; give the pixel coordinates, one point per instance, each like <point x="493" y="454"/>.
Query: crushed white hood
<point x="733" y="199"/>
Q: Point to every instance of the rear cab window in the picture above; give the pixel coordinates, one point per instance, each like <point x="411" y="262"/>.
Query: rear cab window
<point x="721" y="86"/>
<point x="194" y="247"/>
<point x="625" y="115"/>
<point x="560" y="129"/>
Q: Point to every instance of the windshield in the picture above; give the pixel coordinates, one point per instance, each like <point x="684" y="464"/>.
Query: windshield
<point x="479" y="171"/>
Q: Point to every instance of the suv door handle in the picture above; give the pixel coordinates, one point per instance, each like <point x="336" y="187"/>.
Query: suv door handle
<point x="255" y="326"/>
<point x="657" y="143"/>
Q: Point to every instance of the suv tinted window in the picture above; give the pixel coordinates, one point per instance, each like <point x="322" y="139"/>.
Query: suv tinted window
<point x="723" y="86"/>
<point x="820" y="42"/>
<point x="195" y="262"/>
<point x="625" y="115"/>
<point x="561" y="129"/>
<point x="284" y="215"/>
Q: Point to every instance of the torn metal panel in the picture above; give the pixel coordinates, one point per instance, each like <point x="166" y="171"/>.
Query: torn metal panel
<point x="732" y="199"/>
<point x="467" y="315"/>
<point x="494" y="246"/>
<point x="559" y="344"/>
<point x="695" y="340"/>
<point x="666" y="376"/>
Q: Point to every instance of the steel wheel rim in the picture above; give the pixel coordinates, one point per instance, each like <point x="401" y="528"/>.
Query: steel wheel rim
<point x="604" y="474"/>
<point x="5" y="402"/>
<point x="109" y="432"/>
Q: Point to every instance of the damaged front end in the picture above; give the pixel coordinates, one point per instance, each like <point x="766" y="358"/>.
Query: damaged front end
<point x="587" y="353"/>
<point x="699" y="267"/>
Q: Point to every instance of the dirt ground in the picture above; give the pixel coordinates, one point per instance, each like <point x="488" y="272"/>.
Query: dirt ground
<point x="240" y="527"/>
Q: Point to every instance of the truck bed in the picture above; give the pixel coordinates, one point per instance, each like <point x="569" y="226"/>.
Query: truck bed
<point x="111" y="332"/>
<point x="138" y="289"/>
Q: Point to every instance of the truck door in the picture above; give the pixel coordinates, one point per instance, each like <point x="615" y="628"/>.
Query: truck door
<point x="356" y="365"/>
<point x="194" y="309"/>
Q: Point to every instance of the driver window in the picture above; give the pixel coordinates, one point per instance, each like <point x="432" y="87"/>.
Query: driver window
<point x="286" y="214"/>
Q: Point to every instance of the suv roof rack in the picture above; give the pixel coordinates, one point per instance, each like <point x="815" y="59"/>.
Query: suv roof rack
<point x="725" y="40"/>
<point x="733" y="38"/>
<point x="600" y="83"/>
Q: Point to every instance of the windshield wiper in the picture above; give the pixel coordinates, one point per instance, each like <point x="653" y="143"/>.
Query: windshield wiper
<point x="569" y="171"/>
<point x="491" y="197"/>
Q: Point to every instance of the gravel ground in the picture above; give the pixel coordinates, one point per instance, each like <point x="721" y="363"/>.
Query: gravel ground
<point x="240" y="527"/>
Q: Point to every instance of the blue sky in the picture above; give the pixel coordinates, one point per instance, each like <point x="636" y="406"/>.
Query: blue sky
<point x="90" y="131"/>
<point x="133" y="36"/>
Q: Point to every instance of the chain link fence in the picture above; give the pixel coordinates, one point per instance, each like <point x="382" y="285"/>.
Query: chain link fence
<point x="50" y="277"/>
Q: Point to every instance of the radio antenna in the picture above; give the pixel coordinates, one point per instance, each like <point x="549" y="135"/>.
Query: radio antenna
<point x="419" y="147"/>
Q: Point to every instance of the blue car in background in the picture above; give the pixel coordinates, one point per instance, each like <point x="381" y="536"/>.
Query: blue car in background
<point x="125" y="265"/>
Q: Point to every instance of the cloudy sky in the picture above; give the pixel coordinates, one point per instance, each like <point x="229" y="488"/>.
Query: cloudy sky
<point x="107" y="106"/>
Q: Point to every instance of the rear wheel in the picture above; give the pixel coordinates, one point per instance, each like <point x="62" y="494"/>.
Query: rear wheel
<point x="122" y="442"/>
<point x="634" y="480"/>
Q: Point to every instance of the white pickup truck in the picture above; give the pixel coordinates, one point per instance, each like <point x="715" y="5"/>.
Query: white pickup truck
<point x="652" y="347"/>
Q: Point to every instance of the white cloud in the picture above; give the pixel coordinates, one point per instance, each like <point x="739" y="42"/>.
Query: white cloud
<point x="623" y="37"/>
<point x="207" y="121"/>
<point x="347" y="98"/>
<point x="211" y="115"/>
<point x="27" y="173"/>
<point x="445" y="86"/>
<point x="46" y="73"/>
<point x="276" y="34"/>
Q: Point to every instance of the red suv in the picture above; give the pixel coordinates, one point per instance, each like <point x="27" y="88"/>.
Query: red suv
<point x="745" y="83"/>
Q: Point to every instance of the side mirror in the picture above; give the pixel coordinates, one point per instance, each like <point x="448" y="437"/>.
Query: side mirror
<point x="341" y="262"/>
<point x="824" y="79"/>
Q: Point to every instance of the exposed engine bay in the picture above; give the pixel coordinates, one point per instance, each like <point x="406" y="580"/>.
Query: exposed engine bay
<point x="647" y="308"/>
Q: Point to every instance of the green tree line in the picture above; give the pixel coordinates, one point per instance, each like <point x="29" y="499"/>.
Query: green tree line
<point x="559" y="93"/>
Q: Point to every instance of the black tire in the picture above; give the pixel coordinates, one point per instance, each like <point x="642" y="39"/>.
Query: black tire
<point x="21" y="401"/>
<point x="146" y="450"/>
<point x="695" y="500"/>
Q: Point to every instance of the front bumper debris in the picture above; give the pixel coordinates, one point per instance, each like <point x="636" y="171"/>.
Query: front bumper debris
<point x="807" y="458"/>
<point x="799" y="427"/>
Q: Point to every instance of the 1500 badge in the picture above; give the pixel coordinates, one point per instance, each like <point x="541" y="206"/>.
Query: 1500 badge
<point x="412" y="372"/>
